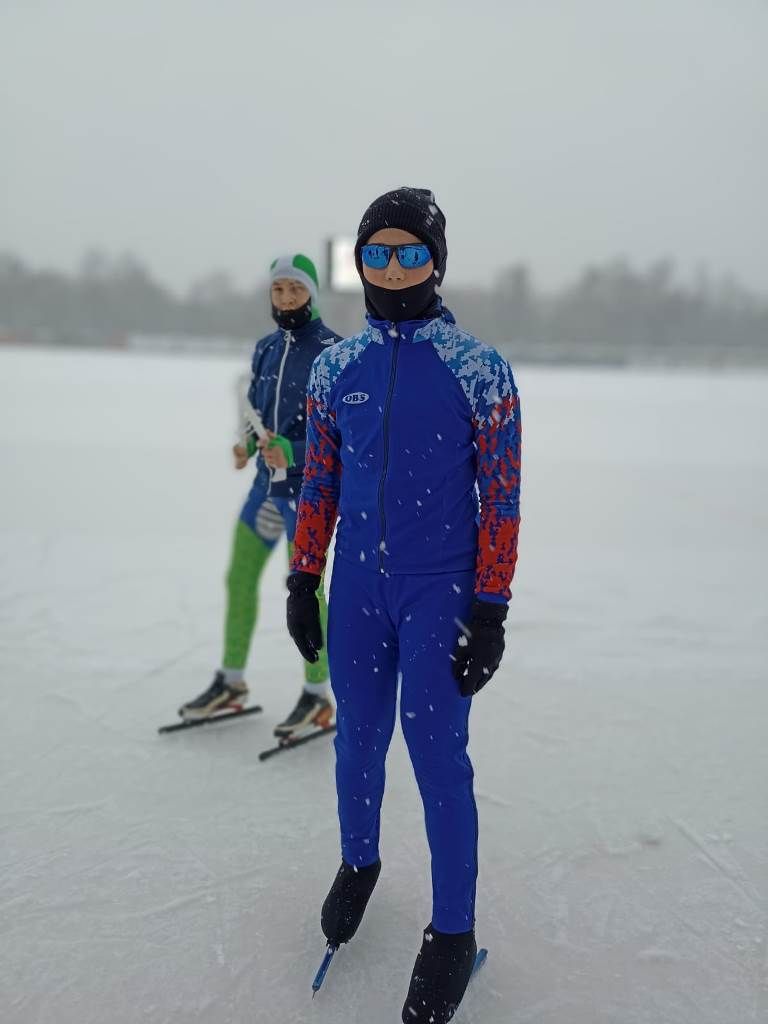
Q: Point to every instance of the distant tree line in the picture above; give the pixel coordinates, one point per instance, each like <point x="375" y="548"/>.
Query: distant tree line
<point x="611" y="313"/>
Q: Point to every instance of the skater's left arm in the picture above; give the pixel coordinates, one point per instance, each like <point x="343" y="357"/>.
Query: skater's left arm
<point x="497" y="436"/>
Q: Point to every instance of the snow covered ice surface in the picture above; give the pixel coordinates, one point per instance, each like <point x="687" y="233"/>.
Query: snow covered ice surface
<point x="620" y="754"/>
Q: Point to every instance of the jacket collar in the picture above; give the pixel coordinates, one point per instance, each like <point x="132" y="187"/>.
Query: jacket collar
<point x="407" y="330"/>
<point x="307" y="332"/>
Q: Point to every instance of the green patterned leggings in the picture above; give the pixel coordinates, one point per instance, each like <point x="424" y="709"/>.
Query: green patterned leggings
<point x="250" y="553"/>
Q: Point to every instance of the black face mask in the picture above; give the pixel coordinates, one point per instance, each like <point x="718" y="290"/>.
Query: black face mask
<point x="419" y="302"/>
<point x="292" y="319"/>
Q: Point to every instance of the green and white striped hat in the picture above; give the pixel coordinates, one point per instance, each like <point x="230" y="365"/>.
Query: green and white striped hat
<point x="296" y="268"/>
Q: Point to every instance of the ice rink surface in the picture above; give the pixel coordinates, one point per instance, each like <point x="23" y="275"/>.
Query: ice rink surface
<point x="621" y="753"/>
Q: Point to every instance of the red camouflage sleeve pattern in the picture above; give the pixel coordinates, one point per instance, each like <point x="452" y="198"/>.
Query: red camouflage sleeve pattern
<point x="318" y="506"/>
<point x="498" y="439"/>
<point x="486" y="379"/>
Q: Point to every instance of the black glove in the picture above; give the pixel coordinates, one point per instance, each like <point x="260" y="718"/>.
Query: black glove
<point x="478" y="650"/>
<point x="303" y="613"/>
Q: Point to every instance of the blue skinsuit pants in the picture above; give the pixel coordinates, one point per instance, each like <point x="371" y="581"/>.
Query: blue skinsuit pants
<point x="379" y="626"/>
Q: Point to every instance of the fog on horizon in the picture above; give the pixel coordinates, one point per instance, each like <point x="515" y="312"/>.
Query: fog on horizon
<point x="203" y="136"/>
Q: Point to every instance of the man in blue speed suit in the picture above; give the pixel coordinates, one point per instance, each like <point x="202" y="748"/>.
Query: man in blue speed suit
<point x="408" y="424"/>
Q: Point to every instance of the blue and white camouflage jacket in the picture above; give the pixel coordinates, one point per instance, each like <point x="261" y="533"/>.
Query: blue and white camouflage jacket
<point x="413" y="441"/>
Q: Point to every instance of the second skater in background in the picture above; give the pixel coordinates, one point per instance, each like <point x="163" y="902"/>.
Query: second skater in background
<point x="279" y="373"/>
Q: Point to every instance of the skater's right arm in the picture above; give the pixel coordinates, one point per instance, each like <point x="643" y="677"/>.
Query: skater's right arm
<point x="241" y="454"/>
<point x="322" y="477"/>
<point x="245" y="449"/>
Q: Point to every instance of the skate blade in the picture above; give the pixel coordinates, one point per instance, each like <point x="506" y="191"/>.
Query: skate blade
<point x="323" y="722"/>
<point x="234" y="708"/>
<point x="480" y="958"/>
<point x="311" y="734"/>
<point x="192" y="723"/>
<point x="330" y="952"/>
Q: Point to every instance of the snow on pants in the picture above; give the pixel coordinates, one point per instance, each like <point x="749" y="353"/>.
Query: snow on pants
<point x="378" y="627"/>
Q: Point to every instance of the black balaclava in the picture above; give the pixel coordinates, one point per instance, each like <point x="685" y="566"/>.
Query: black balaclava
<point x="292" y="319"/>
<point x="414" y="210"/>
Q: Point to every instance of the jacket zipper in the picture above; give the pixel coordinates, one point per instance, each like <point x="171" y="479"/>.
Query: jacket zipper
<point x="280" y="377"/>
<point x="287" y="336"/>
<point x="387" y="404"/>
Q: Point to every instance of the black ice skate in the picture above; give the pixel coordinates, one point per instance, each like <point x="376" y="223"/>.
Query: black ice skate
<point x="310" y="711"/>
<point x="346" y="902"/>
<point x="440" y="977"/>
<point x="220" y="696"/>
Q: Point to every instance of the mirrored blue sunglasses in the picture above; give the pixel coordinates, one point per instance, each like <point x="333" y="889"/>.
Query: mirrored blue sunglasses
<point x="409" y="257"/>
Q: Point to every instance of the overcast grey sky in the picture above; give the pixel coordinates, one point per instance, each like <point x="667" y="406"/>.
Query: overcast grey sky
<point x="215" y="133"/>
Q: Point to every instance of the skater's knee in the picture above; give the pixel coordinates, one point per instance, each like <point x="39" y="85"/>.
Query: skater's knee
<point x="439" y="762"/>
<point x="443" y="776"/>
<point x="361" y="752"/>
<point x="249" y="556"/>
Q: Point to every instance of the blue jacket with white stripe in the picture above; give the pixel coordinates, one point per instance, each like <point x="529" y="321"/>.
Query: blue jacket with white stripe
<point x="279" y="373"/>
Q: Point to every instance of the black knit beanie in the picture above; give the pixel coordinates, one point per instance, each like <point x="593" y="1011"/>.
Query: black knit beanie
<point x="410" y="209"/>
